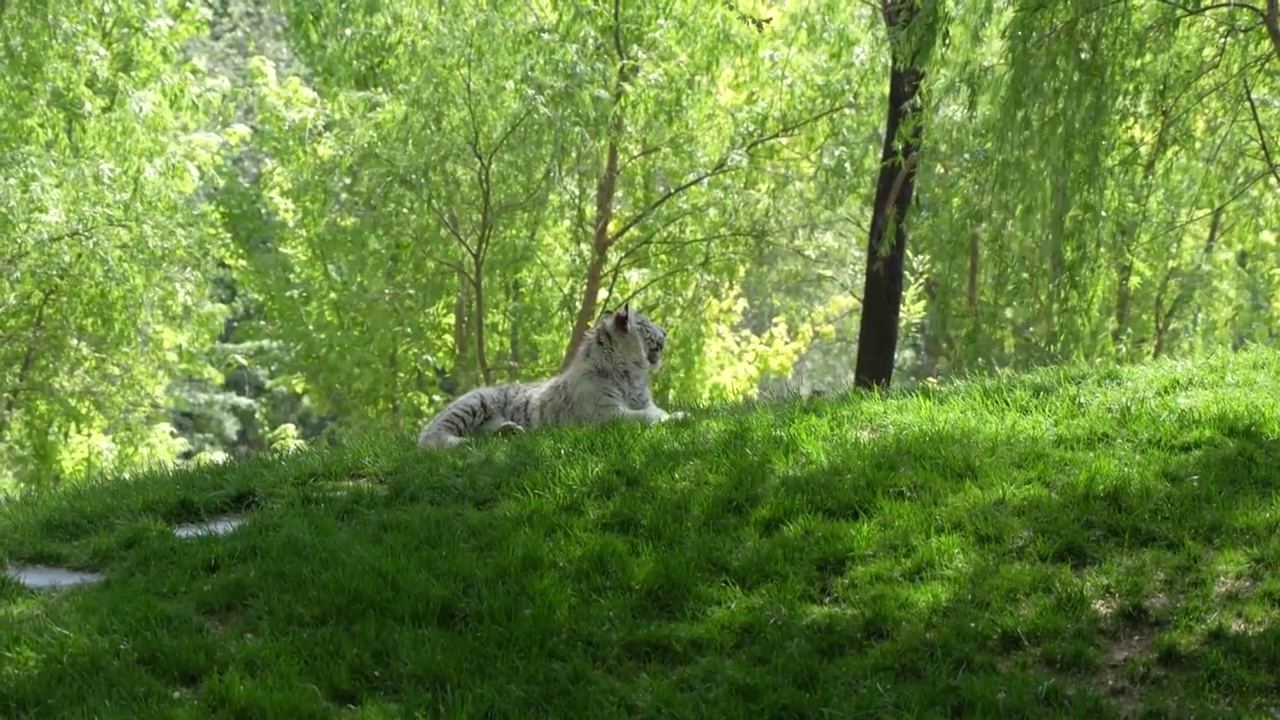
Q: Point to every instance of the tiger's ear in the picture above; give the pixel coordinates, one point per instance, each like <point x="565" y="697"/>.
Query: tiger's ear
<point x="621" y="317"/>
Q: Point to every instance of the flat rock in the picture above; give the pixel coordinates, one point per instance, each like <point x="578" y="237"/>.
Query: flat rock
<point x="216" y="526"/>
<point x="40" y="577"/>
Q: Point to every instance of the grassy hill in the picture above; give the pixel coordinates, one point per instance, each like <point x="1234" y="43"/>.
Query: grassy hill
<point x="1084" y="543"/>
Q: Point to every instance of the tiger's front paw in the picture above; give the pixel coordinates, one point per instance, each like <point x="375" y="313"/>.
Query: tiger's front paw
<point x="509" y="428"/>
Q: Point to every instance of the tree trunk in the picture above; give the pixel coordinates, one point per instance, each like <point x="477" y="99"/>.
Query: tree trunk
<point x="393" y="364"/>
<point x="975" y="256"/>
<point x="1242" y="262"/>
<point x="514" y="361"/>
<point x="461" y="333"/>
<point x="934" y="331"/>
<point x="882" y="289"/>
<point x="1271" y="19"/>
<point x="1164" y="318"/>
<point x="1124" y="295"/>
<point x="1053" y="312"/>
<point x="606" y="190"/>
<point x="600" y="241"/>
<point x="1129" y="236"/>
<point x="482" y="352"/>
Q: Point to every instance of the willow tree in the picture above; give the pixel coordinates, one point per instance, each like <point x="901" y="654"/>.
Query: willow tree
<point x="913" y="28"/>
<point x="1099" y="183"/>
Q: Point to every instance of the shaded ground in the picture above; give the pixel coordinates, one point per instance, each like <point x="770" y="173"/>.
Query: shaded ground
<point x="1069" y="544"/>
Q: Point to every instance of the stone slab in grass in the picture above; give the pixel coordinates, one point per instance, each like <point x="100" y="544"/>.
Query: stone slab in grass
<point x="41" y="577"/>
<point x="217" y="526"/>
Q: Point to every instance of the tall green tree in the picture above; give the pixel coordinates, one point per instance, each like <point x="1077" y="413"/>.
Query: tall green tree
<point x="104" y="243"/>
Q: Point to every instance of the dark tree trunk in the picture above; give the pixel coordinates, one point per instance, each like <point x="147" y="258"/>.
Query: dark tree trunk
<point x="904" y="129"/>
<point x="1271" y="20"/>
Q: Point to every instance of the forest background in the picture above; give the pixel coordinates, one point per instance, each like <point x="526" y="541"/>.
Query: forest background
<point x="236" y="226"/>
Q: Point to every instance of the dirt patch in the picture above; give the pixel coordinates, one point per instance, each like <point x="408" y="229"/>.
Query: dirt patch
<point x="1233" y="588"/>
<point x="223" y="623"/>
<point x="1105" y="607"/>
<point x="344" y="487"/>
<point x="1129" y="660"/>
<point x="1130" y="670"/>
<point x="1232" y="593"/>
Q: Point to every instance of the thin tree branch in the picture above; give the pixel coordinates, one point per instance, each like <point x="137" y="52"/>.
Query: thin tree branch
<point x="1225" y="204"/>
<point x="707" y="261"/>
<point x="642" y="154"/>
<point x="722" y="166"/>
<point x="1193" y="11"/>
<point x="1262" y="134"/>
<point x="650" y="238"/>
<point x="452" y="265"/>
<point x="528" y="199"/>
<point x="667" y="247"/>
<point x="506" y="135"/>
<point x="457" y="235"/>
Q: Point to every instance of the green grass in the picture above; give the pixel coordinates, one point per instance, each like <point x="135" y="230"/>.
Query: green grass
<point x="1072" y="543"/>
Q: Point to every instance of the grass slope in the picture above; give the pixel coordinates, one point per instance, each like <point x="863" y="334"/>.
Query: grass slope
<point x="1084" y="543"/>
